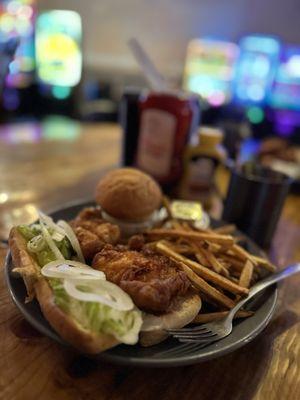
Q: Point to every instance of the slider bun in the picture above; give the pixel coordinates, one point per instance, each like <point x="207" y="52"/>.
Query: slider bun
<point x="128" y="194"/>
<point x="185" y="310"/>
<point x="64" y="325"/>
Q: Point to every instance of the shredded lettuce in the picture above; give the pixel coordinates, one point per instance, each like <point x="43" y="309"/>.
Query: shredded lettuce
<point x="29" y="231"/>
<point x="97" y="317"/>
<point x="37" y="245"/>
<point x="93" y="316"/>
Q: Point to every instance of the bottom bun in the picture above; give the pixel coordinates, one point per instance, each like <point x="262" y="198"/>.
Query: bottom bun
<point x="183" y="313"/>
<point x="71" y="331"/>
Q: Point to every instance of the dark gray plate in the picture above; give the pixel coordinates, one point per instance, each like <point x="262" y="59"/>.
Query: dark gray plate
<point x="244" y="330"/>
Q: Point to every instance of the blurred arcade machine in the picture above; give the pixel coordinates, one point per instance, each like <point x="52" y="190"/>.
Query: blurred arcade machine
<point x="46" y="69"/>
<point x="250" y="90"/>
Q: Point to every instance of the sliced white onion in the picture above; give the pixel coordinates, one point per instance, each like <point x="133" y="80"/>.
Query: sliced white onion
<point x="48" y="221"/>
<point x="62" y="270"/>
<point x="99" y="291"/>
<point x="50" y="242"/>
<point x="72" y="238"/>
<point x="57" y="237"/>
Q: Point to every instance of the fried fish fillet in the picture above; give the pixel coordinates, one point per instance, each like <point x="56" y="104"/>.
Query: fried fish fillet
<point x="153" y="281"/>
<point x="93" y="232"/>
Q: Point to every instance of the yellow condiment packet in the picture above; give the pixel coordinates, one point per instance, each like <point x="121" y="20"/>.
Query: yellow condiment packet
<point x="187" y="210"/>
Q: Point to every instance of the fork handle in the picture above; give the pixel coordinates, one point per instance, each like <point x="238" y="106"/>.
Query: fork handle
<point x="258" y="287"/>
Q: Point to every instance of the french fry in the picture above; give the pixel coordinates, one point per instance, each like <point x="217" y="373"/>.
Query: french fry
<point x="264" y="263"/>
<point x="243" y="254"/>
<point x="226" y="229"/>
<point x="186" y="226"/>
<point x="246" y="274"/>
<point x="225" y="263"/>
<point x="215" y="248"/>
<point x="235" y="263"/>
<point x="216" y="265"/>
<point x="205" y="287"/>
<point x="215" y="316"/>
<point x="211" y="237"/>
<point x="236" y="275"/>
<point x="234" y="279"/>
<point x="201" y="258"/>
<point x="182" y="248"/>
<point x="175" y="224"/>
<point x="202" y="271"/>
<point x="199" y="255"/>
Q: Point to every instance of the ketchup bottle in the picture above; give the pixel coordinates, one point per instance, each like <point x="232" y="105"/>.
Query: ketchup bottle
<point x="165" y="126"/>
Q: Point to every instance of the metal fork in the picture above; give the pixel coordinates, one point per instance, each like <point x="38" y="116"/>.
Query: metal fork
<point x="213" y="331"/>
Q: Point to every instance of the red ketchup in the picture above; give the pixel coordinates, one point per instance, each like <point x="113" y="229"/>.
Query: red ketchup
<point x="165" y="124"/>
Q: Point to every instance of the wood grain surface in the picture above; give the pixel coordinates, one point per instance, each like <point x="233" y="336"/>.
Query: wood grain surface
<point x="32" y="367"/>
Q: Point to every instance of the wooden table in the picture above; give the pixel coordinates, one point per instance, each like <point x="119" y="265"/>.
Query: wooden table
<point x="46" y="174"/>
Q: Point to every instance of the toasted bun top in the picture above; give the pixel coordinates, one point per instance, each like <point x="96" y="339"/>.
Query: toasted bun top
<point x="128" y="194"/>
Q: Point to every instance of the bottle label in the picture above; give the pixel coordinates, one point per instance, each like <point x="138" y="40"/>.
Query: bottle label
<point x="156" y="142"/>
<point x="201" y="173"/>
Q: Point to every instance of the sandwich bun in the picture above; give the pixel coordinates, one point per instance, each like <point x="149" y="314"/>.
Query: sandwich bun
<point x="184" y="308"/>
<point x="37" y="286"/>
<point x="128" y="194"/>
<point x="184" y="311"/>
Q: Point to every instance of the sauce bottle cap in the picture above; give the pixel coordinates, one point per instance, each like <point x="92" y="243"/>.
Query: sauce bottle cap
<point x="210" y="137"/>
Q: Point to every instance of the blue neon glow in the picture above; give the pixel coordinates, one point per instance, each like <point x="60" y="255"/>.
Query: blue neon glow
<point x="17" y="20"/>
<point x="255" y="68"/>
<point x="285" y="92"/>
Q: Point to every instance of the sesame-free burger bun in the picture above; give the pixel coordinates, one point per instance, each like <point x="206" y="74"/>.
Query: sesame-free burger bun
<point x="128" y="194"/>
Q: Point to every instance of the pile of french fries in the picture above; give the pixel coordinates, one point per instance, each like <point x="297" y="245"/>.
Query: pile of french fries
<point x="219" y="268"/>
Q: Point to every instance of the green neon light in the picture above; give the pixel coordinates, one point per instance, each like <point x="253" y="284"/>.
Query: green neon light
<point x="255" y="115"/>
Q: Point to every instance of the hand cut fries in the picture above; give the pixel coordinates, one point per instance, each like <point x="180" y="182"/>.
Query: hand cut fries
<point x="246" y="274"/>
<point x="204" y="287"/>
<point x="220" y="269"/>
<point x="226" y="229"/>
<point x="216" y="238"/>
<point x="204" y="272"/>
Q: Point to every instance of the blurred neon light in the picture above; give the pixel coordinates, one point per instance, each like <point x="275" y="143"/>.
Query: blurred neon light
<point x="11" y="99"/>
<point x="285" y="92"/>
<point x="285" y="121"/>
<point x="12" y="7"/>
<point x="293" y="66"/>
<point x="21" y="133"/>
<point x="25" y="12"/>
<point x="58" y="52"/>
<point x="255" y="92"/>
<point x="209" y="69"/>
<point x="17" y="20"/>
<point x="61" y="92"/>
<point x="12" y="25"/>
<point x="255" y="115"/>
<point x="217" y="98"/>
<point x="60" y="128"/>
<point x="255" y="68"/>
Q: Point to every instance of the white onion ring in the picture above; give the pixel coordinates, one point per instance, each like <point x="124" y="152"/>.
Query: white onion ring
<point x="72" y="238"/>
<point x="49" y="222"/>
<point x="63" y="269"/>
<point x="101" y="291"/>
<point x="50" y="242"/>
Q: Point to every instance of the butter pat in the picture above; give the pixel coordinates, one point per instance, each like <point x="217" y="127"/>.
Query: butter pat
<point x="187" y="210"/>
